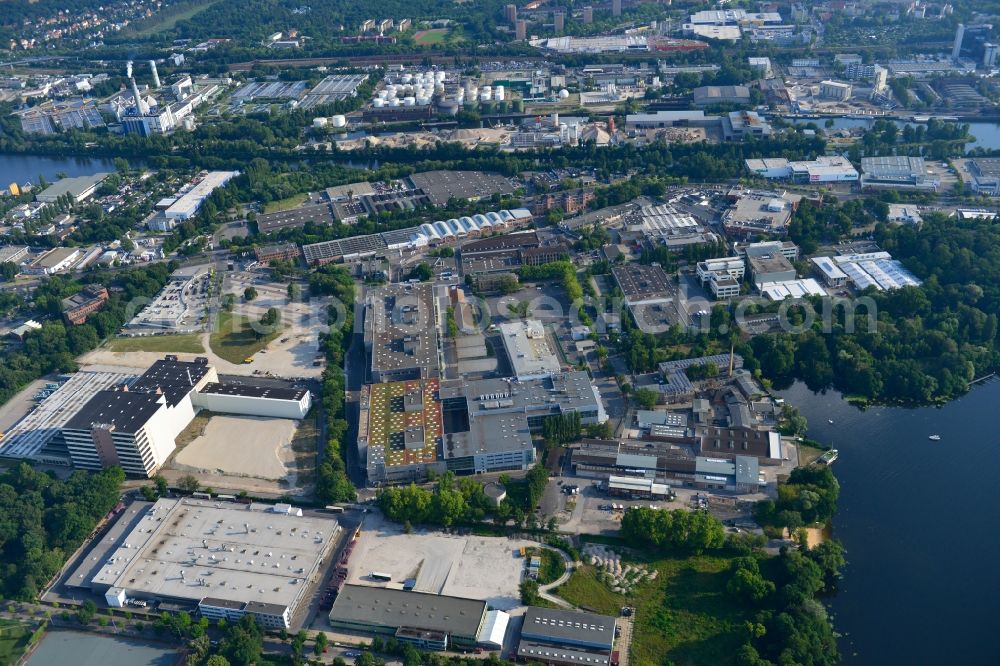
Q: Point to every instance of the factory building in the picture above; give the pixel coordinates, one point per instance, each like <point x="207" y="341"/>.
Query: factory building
<point x="531" y="355"/>
<point x="401" y="332"/>
<point x="278" y="403"/>
<point x="80" y="188"/>
<point x="133" y="422"/>
<point x="79" y="306"/>
<point x="562" y="637"/>
<point x="187" y="204"/>
<point x="228" y="560"/>
<point x="897" y="172"/>
<point x="824" y="169"/>
<point x="428" y="621"/>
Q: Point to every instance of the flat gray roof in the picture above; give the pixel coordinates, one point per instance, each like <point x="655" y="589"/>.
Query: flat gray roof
<point x="567" y="627"/>
<point x="189" y="549"/>
<point x="384" y="607"/>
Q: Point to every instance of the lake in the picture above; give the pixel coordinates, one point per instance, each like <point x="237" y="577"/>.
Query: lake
<point x="21" y="168"/>
<point x="918" y="519"/>
<point x="84" y="649"/>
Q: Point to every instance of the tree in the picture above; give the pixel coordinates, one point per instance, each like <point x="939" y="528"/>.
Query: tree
<point x="8" y="271"/>
<point x="86" y="611"/>
<point x="422" y="272"/>
<point x="217" y="660"/>
<point x="321" y="642"/>
<point x="249" y="294"/>
<point x="161" y="485"/>
<point x="188" y="483"/>
<point x="529" y="592"/>
<point x="646" y="398"/>
<point x="747" y="583"/>
<point x="294" y="292"/>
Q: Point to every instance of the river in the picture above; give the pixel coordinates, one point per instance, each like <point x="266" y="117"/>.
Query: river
<point x="987" y="135"/>
<point x="917" y="518"/>
<point x="21" y="168"/>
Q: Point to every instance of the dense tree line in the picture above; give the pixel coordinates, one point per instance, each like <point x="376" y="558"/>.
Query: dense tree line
<point x="43" y="520"/>
<point x="56" y="345"/>
<point x="808" y="498"/>
<point x="792" y="626"/>
<point x="461" y="500"/>
<point x="689" y="531"/>
<point x="928" y="342"/>
<point x="332" y="482"/>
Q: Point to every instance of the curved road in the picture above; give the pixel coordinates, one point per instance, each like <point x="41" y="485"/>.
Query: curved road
<point x="543" y="590"/>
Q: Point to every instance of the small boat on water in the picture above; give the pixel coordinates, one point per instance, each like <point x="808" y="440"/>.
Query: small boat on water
<point x="828" y="458"/>
<point x="830" y="421"/>
<point x="935" y="438"/>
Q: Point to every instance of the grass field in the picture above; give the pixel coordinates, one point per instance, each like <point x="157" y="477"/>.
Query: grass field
<point x="14" y="638"/>
<point x="167" y="20"/>
<point x="180" y="344"/>
<point x="234" y="338"/>
<point x="685" y="616"/>
<point x="428" y="37"/>
<point x="293" y="201"/>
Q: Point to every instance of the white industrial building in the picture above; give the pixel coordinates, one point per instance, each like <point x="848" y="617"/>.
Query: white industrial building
<point x="779" y="291"/>
<point x="824" y="169"/>
<point x="836" y="90"/>
<point x="228" y="559"/>
<point x="278" y="403"/>
<point x="188" y="204"/>
<point x="531" y="357"/>
<point x="827" y="269"/>
<point x="135" y="423"/>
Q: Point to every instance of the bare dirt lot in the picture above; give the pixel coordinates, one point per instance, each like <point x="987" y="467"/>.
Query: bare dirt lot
<point x="290" y="355"/>
<point x="472" y="567"/>
<point x="242" y="446"/>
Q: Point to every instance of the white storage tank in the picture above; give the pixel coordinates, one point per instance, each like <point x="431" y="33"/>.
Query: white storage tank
<point x="485" y="95"/>
<point x="319" y="122"/>
<point x="439" y="77"/>
<point x="378" y="102"/>
<point x="394" y="102"/>
<point x="382" y="94"/>
<point x="423" y="101"/>
<point x="500" y="93"/>
<point x="339" y="121"/>
<point x="409" y="101"/>
<point x="563" y="94"/>
<point x="407" y="78"/>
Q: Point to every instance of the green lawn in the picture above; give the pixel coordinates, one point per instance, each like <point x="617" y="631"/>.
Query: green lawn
<point x="428" y="37"/>
<point x="553" y="566"/>
<point x="179" y="344"/>
<point x="14" y="638"/>
<point x="166" y="20"/>
<point x="293" y="201"/>
<point x="685" y="616"/>
<point x="234" y="339"/>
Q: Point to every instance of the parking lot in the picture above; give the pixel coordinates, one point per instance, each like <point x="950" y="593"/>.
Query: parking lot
<point x="593" y="511"/>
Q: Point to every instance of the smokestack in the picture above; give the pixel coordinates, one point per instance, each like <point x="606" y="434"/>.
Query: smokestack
<point x="140" y="105"/>
<point x="156" y="75"/>
<point x="128" y="70"/>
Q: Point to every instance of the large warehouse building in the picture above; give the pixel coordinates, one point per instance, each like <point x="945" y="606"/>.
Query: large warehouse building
<point x="227" y="559"/>
<point x="428" y="621"/>
<point x="101" y="419"/>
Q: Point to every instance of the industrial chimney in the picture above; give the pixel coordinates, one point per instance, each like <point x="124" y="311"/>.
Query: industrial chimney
<point x="156" y="75"/>
<point x="128" y="70"/>
<point x="140" y="104"/>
